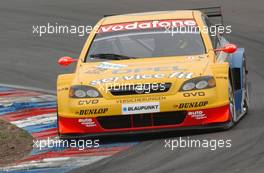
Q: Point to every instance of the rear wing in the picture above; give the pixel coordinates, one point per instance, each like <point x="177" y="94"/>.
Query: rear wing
<point x="214" y="13"/>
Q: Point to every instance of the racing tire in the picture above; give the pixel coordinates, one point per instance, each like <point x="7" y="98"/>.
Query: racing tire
<point x="232" y="110"/>
<point x="246" y="92"/>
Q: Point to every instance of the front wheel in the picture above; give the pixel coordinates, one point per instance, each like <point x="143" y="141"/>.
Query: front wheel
<point x="232" y="104"/>
<point x="245" y="105"/>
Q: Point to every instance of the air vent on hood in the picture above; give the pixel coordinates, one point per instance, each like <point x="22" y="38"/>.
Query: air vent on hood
<point x="147" y="88"/>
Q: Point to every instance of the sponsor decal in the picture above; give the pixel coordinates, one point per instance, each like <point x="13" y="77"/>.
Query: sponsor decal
<point x="107" y="65"/>
<point x="198" y="115"/>
<point x="179" y="75"/>
<point x="221" y="77"/>
<point x="87" y="122"/>
<point x="96" y="70"/>
<point x="88" y="102"/>
<point x="192" y="105"/>
<point x="147" y="25"/>
<point x="155" y="69"/>
<point x="63" y="89"/>
<point x="122" y="70"/>
<point x="194" y="94"/>
<point x="143" y="99"/>
<point x="139" y="108"/>
<point x="93" y="111"/>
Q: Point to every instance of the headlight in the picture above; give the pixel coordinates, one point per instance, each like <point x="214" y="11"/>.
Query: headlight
<point x="202" y="84"/>
<point x="188" y="86"/>
<point x="198" y="83"/>
<point x="92" y="93"/>
<point x="81" y="91"/>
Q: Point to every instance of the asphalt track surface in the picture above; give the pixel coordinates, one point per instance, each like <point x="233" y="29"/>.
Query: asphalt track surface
<point x="27" y="59"/>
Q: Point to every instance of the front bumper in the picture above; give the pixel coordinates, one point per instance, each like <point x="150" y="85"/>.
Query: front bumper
<point x="138" y="123"/>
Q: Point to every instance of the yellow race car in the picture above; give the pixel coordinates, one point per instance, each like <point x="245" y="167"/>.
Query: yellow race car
<point x="153" y="71"/>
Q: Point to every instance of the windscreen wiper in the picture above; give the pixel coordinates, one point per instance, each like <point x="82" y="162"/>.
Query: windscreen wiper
<point x="110" y="56"/>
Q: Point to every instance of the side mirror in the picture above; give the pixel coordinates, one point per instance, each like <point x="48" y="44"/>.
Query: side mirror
<point x="228" y="48"/>
<point x="65" y="61"/>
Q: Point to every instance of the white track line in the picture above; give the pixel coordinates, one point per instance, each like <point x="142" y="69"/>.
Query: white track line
<point x="36" y="120"/>
<point x="29" y="88"/>
<point x="55" y="163"/>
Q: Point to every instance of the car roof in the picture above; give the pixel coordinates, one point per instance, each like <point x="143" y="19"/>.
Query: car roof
<point x="157" y="15"/>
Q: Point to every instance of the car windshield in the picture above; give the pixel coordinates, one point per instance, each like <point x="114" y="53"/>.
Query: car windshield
<point x="157" y="42"/>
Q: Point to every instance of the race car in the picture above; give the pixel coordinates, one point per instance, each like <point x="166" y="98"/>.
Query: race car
<point x="153" y="72"/>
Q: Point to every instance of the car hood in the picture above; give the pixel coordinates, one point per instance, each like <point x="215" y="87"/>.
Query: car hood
<point x="165" y="69"/>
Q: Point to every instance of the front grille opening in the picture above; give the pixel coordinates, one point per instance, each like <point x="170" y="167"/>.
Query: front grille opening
<point x="142" y="120"/>
<point x="147" y="88"/>
<point x="114" y="122"/>
<point x="168" y="118"/>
